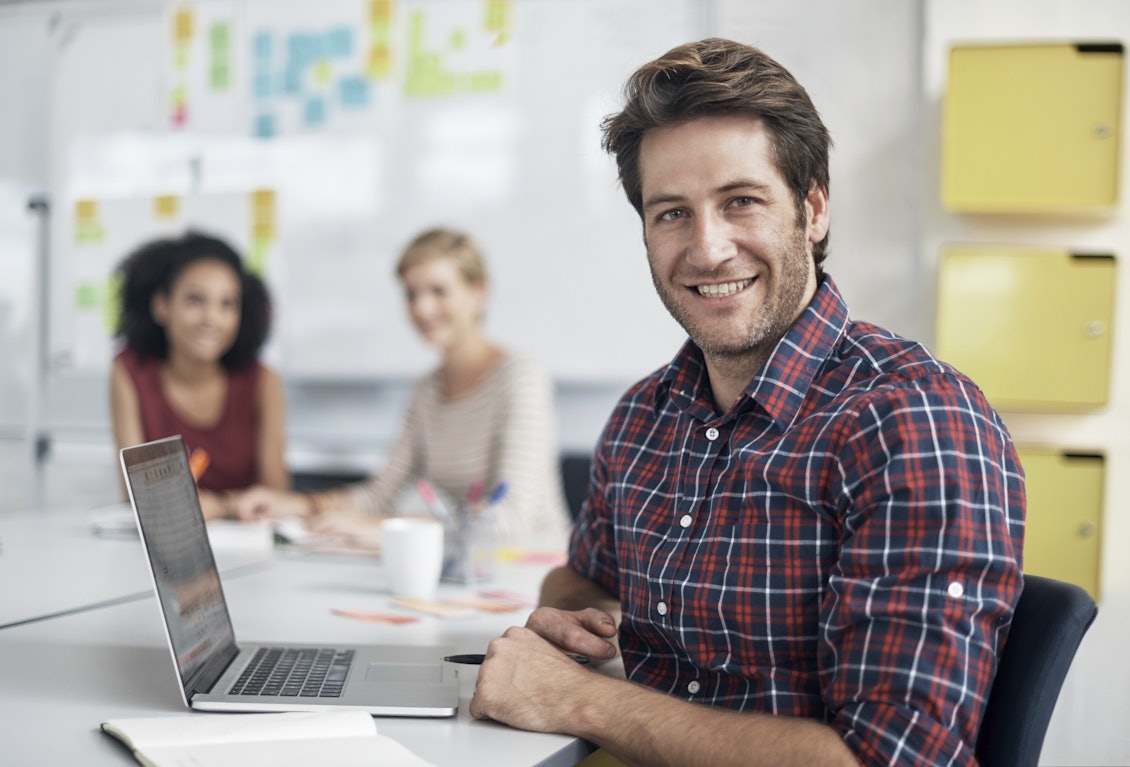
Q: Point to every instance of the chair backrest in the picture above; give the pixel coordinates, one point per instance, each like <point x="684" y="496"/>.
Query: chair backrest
<point x="1049" y="623"/>
<point x="575" y="478"/>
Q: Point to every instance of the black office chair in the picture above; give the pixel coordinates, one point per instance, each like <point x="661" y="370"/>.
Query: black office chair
<point x="314" y="481"/>
<point x="575" y="478"/>
<point x="1047" y="627"/>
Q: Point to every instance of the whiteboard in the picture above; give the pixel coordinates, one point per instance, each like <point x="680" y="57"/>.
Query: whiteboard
<point x="477" y="114"/>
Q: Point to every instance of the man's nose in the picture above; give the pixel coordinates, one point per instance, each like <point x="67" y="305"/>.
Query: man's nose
<point x="712" y="242"/>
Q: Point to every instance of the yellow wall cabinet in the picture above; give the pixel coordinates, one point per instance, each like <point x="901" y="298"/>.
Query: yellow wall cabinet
<point x="1031" y="326"/>
<point x="1032" y="127"/>
<point x="1063" y="535"/>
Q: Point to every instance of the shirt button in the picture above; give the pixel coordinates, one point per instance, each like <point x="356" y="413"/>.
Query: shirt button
<point x="686" y="520"/>
<point x="661" y="608"/>
<point x="955" y="590"/>
<point x="694" y="687"/>
<point x="712" y="434"/>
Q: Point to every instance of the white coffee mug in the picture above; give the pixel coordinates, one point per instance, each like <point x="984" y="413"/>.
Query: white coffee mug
<point x="412" y="553"/>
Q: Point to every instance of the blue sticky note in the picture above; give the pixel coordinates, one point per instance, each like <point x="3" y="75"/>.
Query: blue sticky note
<point x="262" y="87"/>
<point x="263" y="46"/>
<point x="314" y="110"/>
<point x="353" y="92"/>
<point x="338" y="43"/>
<point x="292" y="80"/>
<point x="264" y="125"/>
<point x="295" y="49"/>
<point x="304" y="49"/>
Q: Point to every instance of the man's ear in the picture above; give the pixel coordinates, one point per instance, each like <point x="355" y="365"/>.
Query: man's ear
<point x="816" y="213"/>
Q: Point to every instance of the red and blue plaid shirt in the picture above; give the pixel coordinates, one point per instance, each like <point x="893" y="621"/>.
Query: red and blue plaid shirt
<point x="843" y="544"/>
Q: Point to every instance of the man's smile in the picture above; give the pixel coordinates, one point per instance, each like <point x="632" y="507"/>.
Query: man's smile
<point x="723" y="289"/>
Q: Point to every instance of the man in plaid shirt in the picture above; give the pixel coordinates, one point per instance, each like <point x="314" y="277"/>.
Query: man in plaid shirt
<point x="805" y="530"/>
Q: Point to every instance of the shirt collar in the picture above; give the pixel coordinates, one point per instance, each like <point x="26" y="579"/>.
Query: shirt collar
<point x="782" y="384"/>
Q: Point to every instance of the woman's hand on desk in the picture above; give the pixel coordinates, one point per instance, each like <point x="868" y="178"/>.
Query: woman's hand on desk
<point x="213" y="505"/>
<point x="261" y="502"/>
<point x="322" y="510"/>
<point x="347" y="524"/>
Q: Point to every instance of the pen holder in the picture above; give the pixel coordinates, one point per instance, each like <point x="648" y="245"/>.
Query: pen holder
<point x="469" y="547"/>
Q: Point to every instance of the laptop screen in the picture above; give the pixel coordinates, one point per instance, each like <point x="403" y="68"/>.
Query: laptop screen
<point x="167" y="506"/>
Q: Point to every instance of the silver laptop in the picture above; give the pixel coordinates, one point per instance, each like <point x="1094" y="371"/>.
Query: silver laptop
<point x="218" y="674"/>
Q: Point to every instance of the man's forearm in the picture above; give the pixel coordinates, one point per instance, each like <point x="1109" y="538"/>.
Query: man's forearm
<point x="649" y="729"/>
<point x="566" y="589"/>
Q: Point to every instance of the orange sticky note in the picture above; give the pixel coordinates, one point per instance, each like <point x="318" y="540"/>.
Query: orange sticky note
<point x="500" y="595"/>
<point x="481" y="603"/>
<point x="433" y="608"/>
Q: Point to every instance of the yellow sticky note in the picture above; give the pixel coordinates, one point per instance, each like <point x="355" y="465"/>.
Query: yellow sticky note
<point x="86" y="210"/>
<point x="182" y="25"/>
<point x="166" y="206"/>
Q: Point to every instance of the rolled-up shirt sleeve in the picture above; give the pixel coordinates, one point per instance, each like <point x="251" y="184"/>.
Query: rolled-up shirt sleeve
<point x="920" y="601"/>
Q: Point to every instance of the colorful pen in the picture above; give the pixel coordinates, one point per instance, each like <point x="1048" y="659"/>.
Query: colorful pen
<point x="435" y="505"/>
<point x="198" y="462"/>
<point x="475" y="494"/>
<point x="498" y="494"/>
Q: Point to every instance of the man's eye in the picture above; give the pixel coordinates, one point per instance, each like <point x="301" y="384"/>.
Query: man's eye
<point x="671" y="215"/>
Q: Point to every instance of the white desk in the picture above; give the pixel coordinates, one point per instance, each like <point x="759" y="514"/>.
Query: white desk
<point x="63" y="676"/>
<point x="52" y="563"/>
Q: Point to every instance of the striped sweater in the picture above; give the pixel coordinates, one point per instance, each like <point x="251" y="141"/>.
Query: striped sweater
<point x="504" y="431"/>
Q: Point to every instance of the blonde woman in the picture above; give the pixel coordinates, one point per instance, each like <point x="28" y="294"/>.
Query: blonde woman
<point x="484" y="416"/>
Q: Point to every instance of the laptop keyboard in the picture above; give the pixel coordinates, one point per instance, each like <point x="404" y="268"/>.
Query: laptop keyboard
<point x="305" y="673"/>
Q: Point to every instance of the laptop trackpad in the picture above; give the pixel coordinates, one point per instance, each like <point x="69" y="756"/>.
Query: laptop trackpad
<point x="404" y="672"/>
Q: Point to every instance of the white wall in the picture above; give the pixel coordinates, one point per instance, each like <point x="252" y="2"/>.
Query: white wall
<point x="1090" y="723"/>
<point x="871" y="114"/>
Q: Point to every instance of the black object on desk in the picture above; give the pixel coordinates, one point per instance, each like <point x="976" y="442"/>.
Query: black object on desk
<point x="475" y="658"/>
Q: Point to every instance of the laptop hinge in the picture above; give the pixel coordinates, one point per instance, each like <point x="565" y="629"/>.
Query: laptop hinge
<point x="204" y="679"/>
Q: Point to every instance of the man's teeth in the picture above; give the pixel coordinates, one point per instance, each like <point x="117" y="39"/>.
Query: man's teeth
<point x="723" y="289"/>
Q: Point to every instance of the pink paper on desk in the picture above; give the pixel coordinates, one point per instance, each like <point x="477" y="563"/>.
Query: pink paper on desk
<point x="374" y="616"/>
<point x="521" y="600"/>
